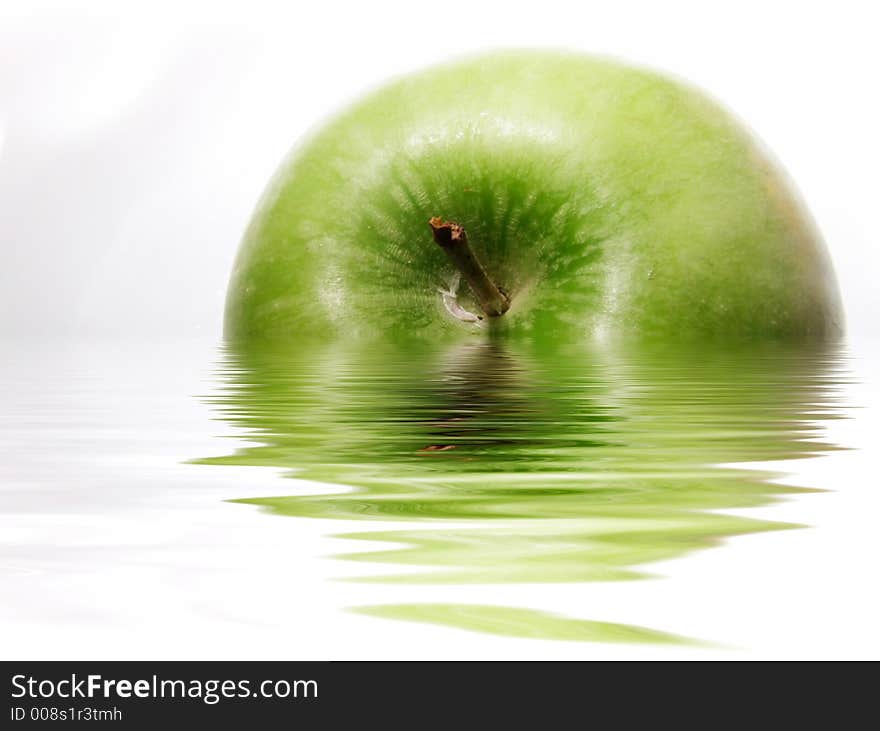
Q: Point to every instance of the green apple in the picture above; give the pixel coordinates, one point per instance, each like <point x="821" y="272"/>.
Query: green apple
<point x="598" y="200"/>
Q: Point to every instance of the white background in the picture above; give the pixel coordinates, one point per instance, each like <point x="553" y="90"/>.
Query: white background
<point x="136" y="139"/>
<point x="134" y="143"/>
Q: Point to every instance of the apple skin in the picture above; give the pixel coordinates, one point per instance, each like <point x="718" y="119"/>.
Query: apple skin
<point x="606" y="200"/>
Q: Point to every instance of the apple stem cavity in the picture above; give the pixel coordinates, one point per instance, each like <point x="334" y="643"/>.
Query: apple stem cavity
<point x="453" y="239"/>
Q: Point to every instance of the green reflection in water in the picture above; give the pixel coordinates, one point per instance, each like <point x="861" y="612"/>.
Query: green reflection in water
<point x="515" y="622"/>
<point x="528" y="465"/>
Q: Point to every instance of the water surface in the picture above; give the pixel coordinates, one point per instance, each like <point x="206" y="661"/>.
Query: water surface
<point x="527" y="465"/>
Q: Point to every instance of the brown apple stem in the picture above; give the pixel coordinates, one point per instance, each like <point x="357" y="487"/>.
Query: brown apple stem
<point x="452" y="238"/>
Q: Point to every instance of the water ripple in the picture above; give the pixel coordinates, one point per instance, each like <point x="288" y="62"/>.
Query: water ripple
<point x="526" y="464"/>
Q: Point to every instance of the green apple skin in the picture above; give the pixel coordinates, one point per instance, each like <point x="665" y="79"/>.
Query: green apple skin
<point x="606" y="200"/>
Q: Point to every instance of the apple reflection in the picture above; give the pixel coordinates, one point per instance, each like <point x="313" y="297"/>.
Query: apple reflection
<point x="529" y="464"/>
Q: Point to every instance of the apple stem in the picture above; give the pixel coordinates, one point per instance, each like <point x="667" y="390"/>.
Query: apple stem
<point x="452" y="238"/>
